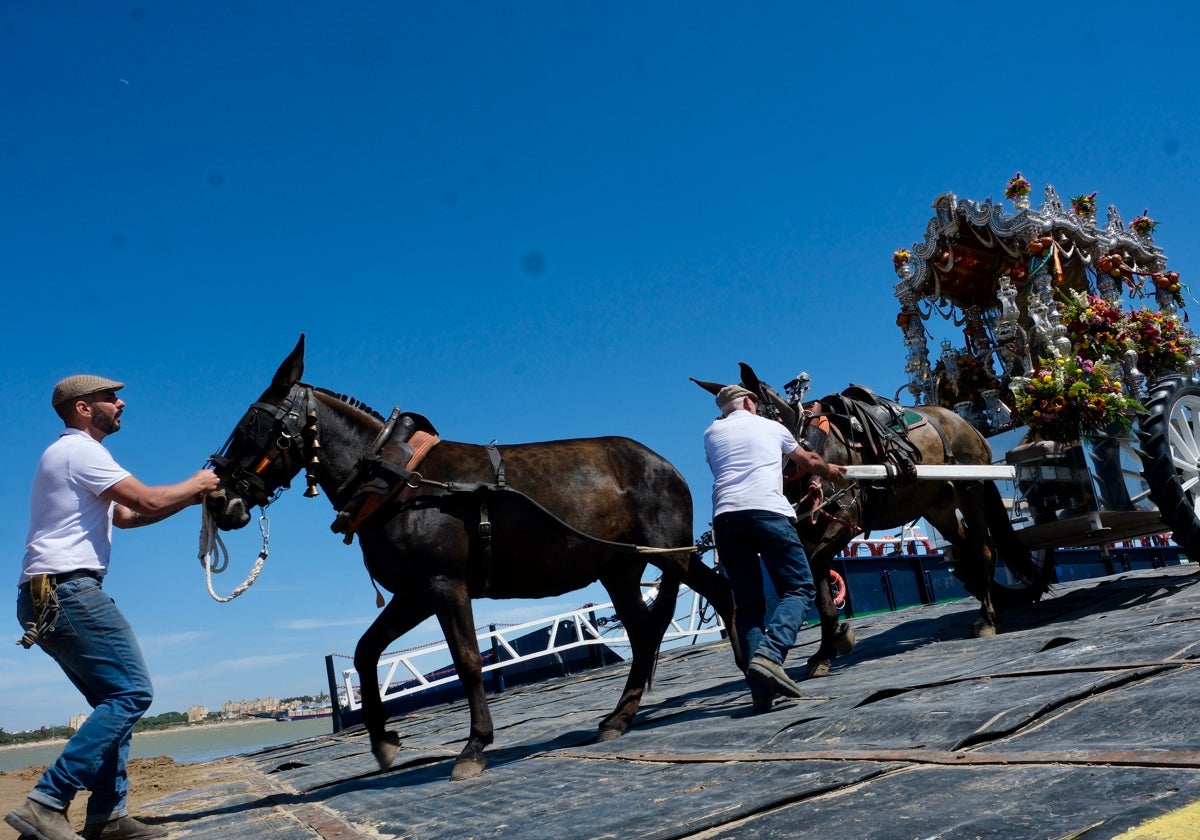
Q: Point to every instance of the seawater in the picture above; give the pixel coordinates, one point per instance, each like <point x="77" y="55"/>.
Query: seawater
<point x="187" y="745"/>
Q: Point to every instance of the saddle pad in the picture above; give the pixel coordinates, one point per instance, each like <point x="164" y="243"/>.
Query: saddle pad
<point x="911" y="420"/>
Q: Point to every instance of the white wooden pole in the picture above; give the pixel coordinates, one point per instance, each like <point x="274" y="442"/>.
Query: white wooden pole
<point x="935" y="472"/>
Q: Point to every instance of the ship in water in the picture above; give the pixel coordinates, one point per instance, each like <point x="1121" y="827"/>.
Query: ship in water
<point x="285" y="715"/>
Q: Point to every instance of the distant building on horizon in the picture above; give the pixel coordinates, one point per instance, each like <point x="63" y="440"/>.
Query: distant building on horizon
<point x="196" y="713"/>
<point x="76" y="721"/>
<point x="249" y="708"/>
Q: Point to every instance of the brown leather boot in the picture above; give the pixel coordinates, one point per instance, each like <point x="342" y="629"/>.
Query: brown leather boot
<point x="41" y="821"/>
<point x="122" y="828"/>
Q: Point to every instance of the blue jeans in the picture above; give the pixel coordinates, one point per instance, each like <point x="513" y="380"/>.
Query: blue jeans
<point x="742" y="537"/>
<point x="95" y="647"/>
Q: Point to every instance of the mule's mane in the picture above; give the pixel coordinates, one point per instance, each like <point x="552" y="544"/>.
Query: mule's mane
<point x="350" y="401"/>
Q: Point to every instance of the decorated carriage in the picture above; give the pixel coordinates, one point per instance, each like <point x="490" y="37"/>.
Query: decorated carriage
<point x="1064" y="342"/>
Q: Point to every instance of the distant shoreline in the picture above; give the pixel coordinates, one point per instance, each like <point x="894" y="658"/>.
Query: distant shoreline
<point x="217" y="724"/>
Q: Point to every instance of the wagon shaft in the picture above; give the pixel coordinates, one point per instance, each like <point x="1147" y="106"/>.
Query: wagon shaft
<point x="933" y="472"/>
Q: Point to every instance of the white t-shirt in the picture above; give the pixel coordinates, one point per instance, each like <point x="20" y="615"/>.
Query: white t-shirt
<point x="744" y="453"/>
<point x="70" y="526"/>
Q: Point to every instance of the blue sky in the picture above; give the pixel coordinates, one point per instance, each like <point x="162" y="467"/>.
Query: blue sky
<point x="527" y="221"/>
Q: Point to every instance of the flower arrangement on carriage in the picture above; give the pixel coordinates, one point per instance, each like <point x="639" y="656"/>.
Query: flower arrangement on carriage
<point x="1067" y="396"/>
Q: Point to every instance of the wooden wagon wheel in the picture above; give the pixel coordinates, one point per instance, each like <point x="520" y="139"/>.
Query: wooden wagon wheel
<point x="1022" y="590"/>
<point x="1170" y="438"/>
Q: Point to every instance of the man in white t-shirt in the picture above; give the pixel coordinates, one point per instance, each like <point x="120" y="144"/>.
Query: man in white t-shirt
<point x="79" y="494"/>
<point x="752" y="519"/>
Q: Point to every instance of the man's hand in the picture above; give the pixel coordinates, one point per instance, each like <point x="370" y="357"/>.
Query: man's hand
<point x="205" y="481"/>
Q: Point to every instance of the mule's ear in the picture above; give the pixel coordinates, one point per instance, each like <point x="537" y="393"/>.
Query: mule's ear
<point x="713" y="388"/>
<point x="291" y="369"/>
<point x="749" y="378"/>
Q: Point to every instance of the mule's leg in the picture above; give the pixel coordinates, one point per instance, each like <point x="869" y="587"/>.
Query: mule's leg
<point x="973" y="507"/>
<point x="396" y="619"/>
<point x="837" y="636"/>
<point x="455" y="615"/>
<point x="645" y="627"/>
<point x="714" y="587"/>
<point x="975" y="565"/>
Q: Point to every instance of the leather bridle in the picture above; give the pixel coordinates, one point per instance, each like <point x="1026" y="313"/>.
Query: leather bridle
<point x="283" y="433"/>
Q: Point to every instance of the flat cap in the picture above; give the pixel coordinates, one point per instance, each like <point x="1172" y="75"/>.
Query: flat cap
<point x="80" y="385"/>
<point x="733" y="392"/>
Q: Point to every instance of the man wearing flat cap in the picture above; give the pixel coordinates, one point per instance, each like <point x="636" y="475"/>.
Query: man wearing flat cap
<point x="79" y="494"/>
<point x="752" y="519"/>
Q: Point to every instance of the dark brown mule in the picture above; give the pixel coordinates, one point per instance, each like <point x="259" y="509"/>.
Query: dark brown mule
<point x="578" y="511"/>
<point x="970" y="515"/>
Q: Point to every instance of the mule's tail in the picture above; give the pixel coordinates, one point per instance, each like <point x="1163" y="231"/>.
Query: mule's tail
<point x="660" y="616"/>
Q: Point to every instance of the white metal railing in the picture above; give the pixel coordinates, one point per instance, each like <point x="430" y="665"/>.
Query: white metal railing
<point x="401" y="675"/>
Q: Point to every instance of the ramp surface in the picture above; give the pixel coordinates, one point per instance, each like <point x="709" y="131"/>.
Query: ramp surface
<point x="1078" y="720"/>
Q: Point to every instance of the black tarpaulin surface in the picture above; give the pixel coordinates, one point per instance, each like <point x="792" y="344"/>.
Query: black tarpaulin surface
<point x="1079" y="720"/>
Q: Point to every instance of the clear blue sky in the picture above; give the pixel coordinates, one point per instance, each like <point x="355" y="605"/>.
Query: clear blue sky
<point x="526" y="220"/>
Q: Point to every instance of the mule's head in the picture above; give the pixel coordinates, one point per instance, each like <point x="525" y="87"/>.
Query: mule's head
<point x="265" y="449"/>
<point x="769" y="403"/>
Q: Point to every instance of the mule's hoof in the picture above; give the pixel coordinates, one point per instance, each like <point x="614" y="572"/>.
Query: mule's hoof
<point x="467" y="768"/>
<point x="843" y="642"/>
<point x="385" y="750"/>
<point x="984" y="631"/>
<point x="818" y="668"/>
<point x="610" y="733"/>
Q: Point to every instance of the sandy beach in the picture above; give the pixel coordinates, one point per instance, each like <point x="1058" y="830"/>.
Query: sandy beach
<point x="149" y="779"/>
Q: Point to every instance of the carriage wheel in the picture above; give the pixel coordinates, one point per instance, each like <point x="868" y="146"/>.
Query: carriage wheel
<point x="1170" y="439"/>
<point x="1022" y="590"/>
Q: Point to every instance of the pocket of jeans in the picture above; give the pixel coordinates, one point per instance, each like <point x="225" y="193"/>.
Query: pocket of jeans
<point x="69" y="600"/>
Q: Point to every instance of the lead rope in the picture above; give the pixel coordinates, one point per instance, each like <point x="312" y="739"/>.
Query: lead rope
<point x="214" y="556"/>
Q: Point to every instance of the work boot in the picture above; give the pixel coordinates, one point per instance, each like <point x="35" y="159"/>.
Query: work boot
<point x="764" y="702"/>
<point x="765" y="675"/>
<point x="122" y="828"/>
<point x="34" y="819"/>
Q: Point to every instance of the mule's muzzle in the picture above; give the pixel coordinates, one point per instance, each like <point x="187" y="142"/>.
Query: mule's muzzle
<point x="229" y="511"/>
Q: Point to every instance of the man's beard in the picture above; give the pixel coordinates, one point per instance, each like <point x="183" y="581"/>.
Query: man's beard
<point x="106" y="424"/>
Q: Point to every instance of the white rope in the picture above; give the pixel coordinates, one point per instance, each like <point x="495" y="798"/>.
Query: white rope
<point x="214" y="556"/>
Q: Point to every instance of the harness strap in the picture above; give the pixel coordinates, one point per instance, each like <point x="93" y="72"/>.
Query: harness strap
<point x="385" y="474"/>
<point x="497" y="459"/>
<point x="387" y="480"/>
<point x="951" y="458"/>
<point x="485" y="524"/>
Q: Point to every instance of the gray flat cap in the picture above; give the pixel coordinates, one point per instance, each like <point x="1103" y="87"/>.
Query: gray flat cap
<point x="734" y="392"/>
<point x="80" y="385"/>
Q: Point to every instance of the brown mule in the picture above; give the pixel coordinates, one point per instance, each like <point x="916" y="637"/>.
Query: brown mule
<point x="524" y="521"/>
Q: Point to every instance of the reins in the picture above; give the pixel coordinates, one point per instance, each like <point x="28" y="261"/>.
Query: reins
<point x="815" y="492"/>
<point x="214" y="556"/>
<point x="295" y="420"/>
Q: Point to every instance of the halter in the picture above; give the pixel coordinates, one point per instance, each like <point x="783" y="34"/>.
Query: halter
<point x="281" y="431"/>
<point x="821" y="503"/>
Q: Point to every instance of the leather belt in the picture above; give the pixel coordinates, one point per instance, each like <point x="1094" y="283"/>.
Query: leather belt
<point x="78" y="573"/>
<point x="75" y="575"/>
